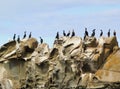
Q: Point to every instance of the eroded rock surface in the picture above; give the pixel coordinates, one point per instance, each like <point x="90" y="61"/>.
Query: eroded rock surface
<point x="72" y="63"/>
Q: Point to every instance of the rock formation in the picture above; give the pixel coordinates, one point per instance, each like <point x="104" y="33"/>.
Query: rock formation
<point x="72" y="63"/>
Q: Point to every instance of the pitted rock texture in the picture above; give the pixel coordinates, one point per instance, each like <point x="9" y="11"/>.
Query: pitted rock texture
<point x="72" y="63"/>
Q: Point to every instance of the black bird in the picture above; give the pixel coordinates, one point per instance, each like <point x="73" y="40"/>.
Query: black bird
<point x="24" y="35"/>
<point x="86" y="32"/>
<point x="14" y="37"/>
<point x="93" y="34"/>
<point x="18" y="39"/>
<point x="64" y="34"/>
<point x="101" y="33"/>
<point x="68" y="33"/>
<point x="73" y="33"/>
<point x="114" y="33"/>
<point x="84" y="37"/>
<point x="30" y="35"/>
<point x="41" y="40"/>
<point x="57" y="35"/>
<point x="109" y="33"/>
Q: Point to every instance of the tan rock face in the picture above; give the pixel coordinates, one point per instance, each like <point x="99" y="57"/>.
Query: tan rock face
<point x="15" y="50"/>
<point x="32" y="43"/>
<point x="111" y="69"/>
<point x="90" y="42"/>
<point x="71" y="63"/>
<point x="7" y="48"/>
<point x="41" y="53"/>
<point x="71" y="44"/>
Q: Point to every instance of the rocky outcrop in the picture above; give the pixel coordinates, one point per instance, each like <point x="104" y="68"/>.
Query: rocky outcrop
<point x="110" y="70"/>
<point x="15" y="50"/>
<point x="41" y="53"/>
<point x="72" y="63"/>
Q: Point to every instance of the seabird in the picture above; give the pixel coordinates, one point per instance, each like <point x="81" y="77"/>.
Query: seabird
<point x="73" y="33"/>
<point x="114" y="33"/>
<point x="18" y="39"/>
<point x="84" y="37"/>
<point x="68" y="33"/>
<point x="41" y="40"/>
<point x="101" y="33"/>
<point x="93" y="34"/>
<point x="57" y="35"/>
<point x="24" y="35"/>
<point x="14" y="37"/>
<point x="30" y="35"/>
<point x="86" y="32"/>
<point x="109" y="33"/>
<point x="64" y="34"/>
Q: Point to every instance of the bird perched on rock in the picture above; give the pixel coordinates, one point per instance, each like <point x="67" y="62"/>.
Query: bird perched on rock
<point x="114" y="33"/>
<point x="30" y="34"/>
<point x="84" y="37"/>
<point x="86" y="32"/>
<point x="68" y="34"/>
<point x="109" y="33"/>
<point x="41" y="40"/>
<point x="73" y="33"/>
<point x="18" y="39"/>
<point x="101" y="33"/>
<point x="64" y="34"/>
<point x="14" y="37"/>
<point x="93" y="33"/>
<point x="57" y="35"/>
<point x="24" y="35"/>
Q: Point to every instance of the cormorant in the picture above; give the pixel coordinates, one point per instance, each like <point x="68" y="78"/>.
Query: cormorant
<point x="109" y="33"/>
<point x="41" y="40"/>
<point x="64" y="34"/>
<point x="101" y="33"/>
<point x="73" y="33"/>
<point x="86" y="32"/>
<point x="57" y="35"/>
<point x="24" y="35"/>
<point x="18" y="39"/>
<point x="30" y="35"/>
<point x="114" y="33"/>
<point x="84" y="37"/>
<point x="93" y="34"/>
<point x="14" y="37"/>
<point x="68" y="33"/>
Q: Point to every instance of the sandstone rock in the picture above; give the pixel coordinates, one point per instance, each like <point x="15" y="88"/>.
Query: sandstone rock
<point x="71" y="45"/>
<point x="72" y="63"/>
<point x="41" y="53"/>
<point x="7" y="48"/>
<point x="110" y="71"/>
<point x="32" y="43"/>
<point x="90" y="41"/>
